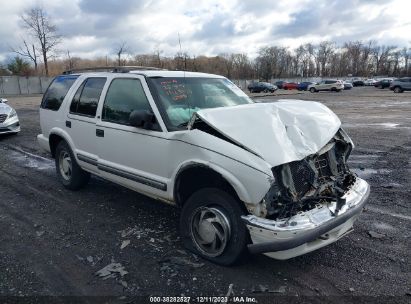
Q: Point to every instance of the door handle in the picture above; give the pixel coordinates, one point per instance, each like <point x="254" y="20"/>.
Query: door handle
<point x="99" y="133"/>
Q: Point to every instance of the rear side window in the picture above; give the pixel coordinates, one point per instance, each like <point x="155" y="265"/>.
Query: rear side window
<point x="86" y="99"/>
<point x="123" y="97"/>
<point x="56" y="92"/>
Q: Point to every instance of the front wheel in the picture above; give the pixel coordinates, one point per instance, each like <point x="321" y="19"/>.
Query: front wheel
<point x="312" y="90"/>
<point x="68" y="171"/>
<point x="397" y="90"/>
<point x="211" y="226"/>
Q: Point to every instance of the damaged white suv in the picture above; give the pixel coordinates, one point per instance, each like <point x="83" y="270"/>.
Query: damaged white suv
<point x="262" y="178"/>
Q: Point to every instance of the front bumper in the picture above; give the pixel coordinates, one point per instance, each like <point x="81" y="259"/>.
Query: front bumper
<point x="307" y="231"/>
<point x="10" y="125"/>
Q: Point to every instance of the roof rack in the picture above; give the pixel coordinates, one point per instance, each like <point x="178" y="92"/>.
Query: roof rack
<point x="112" y="69"/>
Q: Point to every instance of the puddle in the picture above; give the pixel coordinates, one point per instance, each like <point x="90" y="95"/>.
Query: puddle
<point x="385" y="125"/>
<point x="28" y="160"/>
<point x="383" y="226"/>
<point x="363" y="173"/>
<point x="383" y="211"/>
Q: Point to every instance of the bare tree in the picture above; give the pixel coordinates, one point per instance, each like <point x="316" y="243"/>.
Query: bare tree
<point x="40" y="26"/>
<point x="29" y="52"/>
<point x="121" y="49"/>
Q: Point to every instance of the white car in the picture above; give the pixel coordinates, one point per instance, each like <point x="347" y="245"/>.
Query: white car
<point x="250" y="177"/>
<point x="9" y="121"/>
<point x="370" y="82"/>
<point x="327" y="85"/>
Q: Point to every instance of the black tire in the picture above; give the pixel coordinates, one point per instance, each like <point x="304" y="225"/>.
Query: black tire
<point x="397" y="90"/>
<point x="68" y="171"/>
<point x="313" y="90"/>
<point x="266" y="91"/>
<point x="223" y="209"/>
<point x="339" y="90"/>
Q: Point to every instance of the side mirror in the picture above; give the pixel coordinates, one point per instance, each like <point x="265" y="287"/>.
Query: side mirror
<point x="141" y="119"/>
<point x="3" y="100"/>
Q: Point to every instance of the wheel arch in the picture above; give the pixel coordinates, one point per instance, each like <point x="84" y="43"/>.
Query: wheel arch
<point x="57" y="135"/>
<point x="196" y="175"/>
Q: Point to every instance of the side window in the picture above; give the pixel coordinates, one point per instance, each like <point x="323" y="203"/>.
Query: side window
<point x="86" y="99"/>
<point x="56" y="92"/>
<point x="123" y="97"/>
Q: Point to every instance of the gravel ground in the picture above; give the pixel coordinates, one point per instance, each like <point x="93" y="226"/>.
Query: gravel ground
<point x="53" y="241"/>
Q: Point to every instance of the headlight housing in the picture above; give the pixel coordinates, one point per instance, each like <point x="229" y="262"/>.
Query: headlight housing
<point x="13" y="113"/>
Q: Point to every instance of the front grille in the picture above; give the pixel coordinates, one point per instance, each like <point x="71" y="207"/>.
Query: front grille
<point x="3" y="117"/>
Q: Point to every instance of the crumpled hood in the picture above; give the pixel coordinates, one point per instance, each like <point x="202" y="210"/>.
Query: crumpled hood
<point x="279" y="132"/>
<point x="4" y="109"/>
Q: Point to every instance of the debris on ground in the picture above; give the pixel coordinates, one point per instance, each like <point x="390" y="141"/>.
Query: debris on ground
<point x="129" y="232"/>
<point x="230" y="291"/>
<point x="90" y="259"/>
<point x="124" y="244"/>
<point x="280" y="289"/>
<point x="376" y="235"/>
<point x="40" y="233"/>
<point x="111" y="270"/>
<point x="79" y="258"/>
<point x="123" y="283"/>
<point x="351" y="289"/>
<point x="184" y="262"/>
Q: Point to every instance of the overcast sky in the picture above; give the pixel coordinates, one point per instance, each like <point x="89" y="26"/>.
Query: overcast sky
<point x="93" y="28"/>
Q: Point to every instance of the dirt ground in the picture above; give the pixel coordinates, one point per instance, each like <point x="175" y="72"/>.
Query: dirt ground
<point x="53" y="241"/>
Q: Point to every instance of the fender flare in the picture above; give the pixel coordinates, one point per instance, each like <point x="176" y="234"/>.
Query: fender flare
<point x="228" y="176"/>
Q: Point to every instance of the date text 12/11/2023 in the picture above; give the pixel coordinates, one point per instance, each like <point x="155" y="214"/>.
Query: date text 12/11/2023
<point x="202" y="299"/>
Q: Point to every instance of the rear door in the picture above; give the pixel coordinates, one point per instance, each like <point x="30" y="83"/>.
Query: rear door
<point x="81" y="120"/>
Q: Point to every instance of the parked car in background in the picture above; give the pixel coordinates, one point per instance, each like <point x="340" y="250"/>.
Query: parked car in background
<point x="383" y="83"/>
<point x="327" y="85"/>
<point x="370" y="82"/>
<point x="290" y="86"/>
<point x="347" y="85"/>
<point x="9" y="121"/>
<point x="358" y="83"/>
<point x="303" y="86"/>
<point x="280" y="187"/>
<point x="401" y="84"/>
<point x="258" y="87"/>
<point x="279" y="84"/>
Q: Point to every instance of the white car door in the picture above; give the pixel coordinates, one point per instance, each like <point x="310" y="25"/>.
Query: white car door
<point x="133" y="157"/>
<point x="81" y="121"/>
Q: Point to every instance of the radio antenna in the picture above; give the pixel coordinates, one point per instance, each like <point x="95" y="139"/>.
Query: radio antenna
<point x="184" y="72"/>
<point x="181" y="52"/>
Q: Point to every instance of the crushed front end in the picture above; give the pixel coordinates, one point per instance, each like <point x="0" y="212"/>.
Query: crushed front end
<point x="312" y="203"/>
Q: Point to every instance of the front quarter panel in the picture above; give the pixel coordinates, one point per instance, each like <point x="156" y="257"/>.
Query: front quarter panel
<point x="248" y="174"/>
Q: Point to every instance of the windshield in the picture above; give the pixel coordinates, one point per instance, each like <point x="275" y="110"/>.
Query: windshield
<point x="180" y="97"/>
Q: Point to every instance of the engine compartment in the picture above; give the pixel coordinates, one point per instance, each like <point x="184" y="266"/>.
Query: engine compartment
<point x="317" y="179"/>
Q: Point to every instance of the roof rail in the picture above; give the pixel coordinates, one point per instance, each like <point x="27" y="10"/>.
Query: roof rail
<point x="112" y="69"/>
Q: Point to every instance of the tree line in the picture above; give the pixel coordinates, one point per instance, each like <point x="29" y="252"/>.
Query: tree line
<point x="38" y="54"/>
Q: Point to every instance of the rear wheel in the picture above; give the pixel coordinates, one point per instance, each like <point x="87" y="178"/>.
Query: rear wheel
<point x="312" y="90"/>
<point x="211" y="226"/>
<point x="68" y="171"/>
<point x="397" y="90"/>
